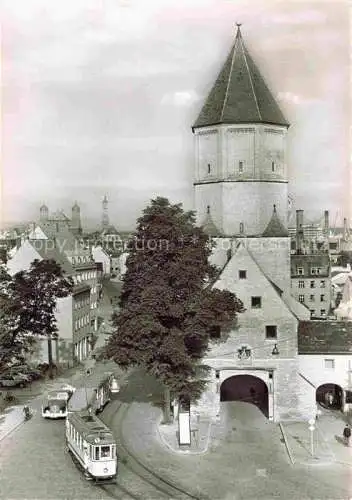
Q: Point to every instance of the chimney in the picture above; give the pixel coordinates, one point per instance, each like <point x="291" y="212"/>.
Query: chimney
<point x="326" y="222"/>
<point x="345" y="229"/>
<point x="299" y="231"/>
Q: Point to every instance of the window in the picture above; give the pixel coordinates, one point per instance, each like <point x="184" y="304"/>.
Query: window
<point x="273" y="166"/>
<point x="315" y="270"/>
<point x="105" y="451"/>
<point x="241" y="227"/>
<point x="322" y="284"/>
<point x="301" y="284"/>
<point x="322" y="312"/>
<point x="312" y="312"/>
<point x="300" y="270"/>
<point x="208" y="209"/>
<point x="209" y="168"/>
<point x="312" y="284"/>
<point x="322" y="298"/>
<point x="242" y="274"/>
<point x="271" y="331"/>
<point x="240" y="167"/>
<point x="256" y="302"/>
<point x="301" y="298"/>
<point x="312" y="298"/>
<point x="96" y="454"/>
<point x="329" y="364"/>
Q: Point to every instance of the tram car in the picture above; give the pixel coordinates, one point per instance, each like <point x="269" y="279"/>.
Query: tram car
<point x="95" y="394"/>
<point x="55" y="404"/>
<point x="92" y="446"/>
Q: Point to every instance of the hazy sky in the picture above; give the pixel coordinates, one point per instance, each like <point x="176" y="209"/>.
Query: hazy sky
<point x="99" y="96"/>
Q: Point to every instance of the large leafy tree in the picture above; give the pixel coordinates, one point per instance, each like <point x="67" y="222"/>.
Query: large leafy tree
<point x="30" y="299"/>
<point x="169" y="312"/>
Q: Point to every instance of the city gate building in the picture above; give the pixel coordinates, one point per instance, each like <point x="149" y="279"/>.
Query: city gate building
<point x="241" y="199"/>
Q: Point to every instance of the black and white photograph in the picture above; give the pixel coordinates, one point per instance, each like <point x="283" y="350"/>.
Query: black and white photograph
<point x="175" y="250"/>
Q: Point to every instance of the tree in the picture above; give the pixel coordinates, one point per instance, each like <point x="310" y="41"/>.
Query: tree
<point x="30" y="297"/>
<point x="169" y="312"/>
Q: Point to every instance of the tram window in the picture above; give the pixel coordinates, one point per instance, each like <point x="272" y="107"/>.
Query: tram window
<point x="113" y="451"/>
<point x="105" y="451"/>
<point x="96" y="455"/>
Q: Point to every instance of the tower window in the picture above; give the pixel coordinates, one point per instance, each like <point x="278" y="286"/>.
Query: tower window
<point x="301" y="298"/>
<point x="273" y="166"/>
<point x="242" y="274"/>
<point x="209" y="168"/>
<point x="301" y="284"/>
<point x="240" y="167"/>
<point x="208" y="209"/>
<point x="271" y="331"/>
<point x="256" y="302"/>
<point x="241" y="227"/>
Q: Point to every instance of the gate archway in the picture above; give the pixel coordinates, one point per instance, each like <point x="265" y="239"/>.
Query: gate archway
<point x="246" y="388"/>
<point x="330" y="396"/>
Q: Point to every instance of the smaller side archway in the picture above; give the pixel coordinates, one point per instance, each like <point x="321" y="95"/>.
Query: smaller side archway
<point x="329" y="396"/>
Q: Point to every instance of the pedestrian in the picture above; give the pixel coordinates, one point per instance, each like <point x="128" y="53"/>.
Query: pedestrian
<point x="347" y="434"/>
<point x="330" y="399"/>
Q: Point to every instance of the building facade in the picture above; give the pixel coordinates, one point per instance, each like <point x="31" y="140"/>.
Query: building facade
<point x="311" y="283"/>
<point x="325" y="364"/>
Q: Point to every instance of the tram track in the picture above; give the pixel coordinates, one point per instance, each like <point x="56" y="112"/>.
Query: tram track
<point x="128" y="460"/>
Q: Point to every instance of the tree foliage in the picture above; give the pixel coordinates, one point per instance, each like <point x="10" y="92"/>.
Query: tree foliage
<point x="28" y="301"/>
<point x="168" y="309"/>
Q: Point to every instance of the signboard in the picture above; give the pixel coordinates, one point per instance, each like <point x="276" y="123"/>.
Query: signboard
<point x="184" y="428"/>
<point x="62" y="395"/>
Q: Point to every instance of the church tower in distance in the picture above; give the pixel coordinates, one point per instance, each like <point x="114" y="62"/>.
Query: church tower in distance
<point x="240" y="152"/>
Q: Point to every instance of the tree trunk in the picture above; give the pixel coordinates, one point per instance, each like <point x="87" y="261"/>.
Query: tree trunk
<point x="50" y="357"/>
<point x="167" y="408"/>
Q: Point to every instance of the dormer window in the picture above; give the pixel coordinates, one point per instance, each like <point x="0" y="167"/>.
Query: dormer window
<point x="209" y="168"/>
<point x="240" y="166"/>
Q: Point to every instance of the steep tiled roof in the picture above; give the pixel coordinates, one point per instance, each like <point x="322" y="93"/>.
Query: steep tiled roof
<point x="275" y="228"/>
<point x="240" y="94"/>
<point x="48" y="251"/>
<point x="325" y="337"/>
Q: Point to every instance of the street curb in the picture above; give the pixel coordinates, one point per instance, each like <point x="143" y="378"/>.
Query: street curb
<point x="286" y="444"/>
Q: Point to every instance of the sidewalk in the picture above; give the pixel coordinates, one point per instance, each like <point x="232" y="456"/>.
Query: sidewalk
<point x="200" y="436"/>
<point x="328" y="446"/>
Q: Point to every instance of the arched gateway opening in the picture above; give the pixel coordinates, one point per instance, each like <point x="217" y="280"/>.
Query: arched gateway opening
<point x="330" y="396"/>
<point x="248" y="389"/>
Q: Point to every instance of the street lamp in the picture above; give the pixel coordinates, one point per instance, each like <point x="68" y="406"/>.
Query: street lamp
<point x="311" y="427"/>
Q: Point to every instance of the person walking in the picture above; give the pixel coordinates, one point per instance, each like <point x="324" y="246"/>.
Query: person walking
<point x="347" y="434"/>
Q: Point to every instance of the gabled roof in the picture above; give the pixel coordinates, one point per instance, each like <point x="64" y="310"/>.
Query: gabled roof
<point x="209" y="227"/>
<point x="48" y="251"/>
<point x="325" y="337"/>
<point x="240" y="94"/>
<point x="275" y="228"/>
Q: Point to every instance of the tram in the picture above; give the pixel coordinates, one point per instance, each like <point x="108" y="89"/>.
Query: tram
<point x="92" y="446"/>
<point x="55" y="403"/>
<point x="95" y="394"/>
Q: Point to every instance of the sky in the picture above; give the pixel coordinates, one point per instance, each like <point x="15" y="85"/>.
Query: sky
<point x="99" y="96"/>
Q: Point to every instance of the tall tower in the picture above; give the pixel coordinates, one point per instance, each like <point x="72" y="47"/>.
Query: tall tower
<point x="75" y="225"/>
<point x="44" y="213"/>
<point x="105" y="216"/>
<point x="240" y="151"/>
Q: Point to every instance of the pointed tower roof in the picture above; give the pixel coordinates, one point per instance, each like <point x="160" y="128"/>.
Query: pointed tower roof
<point x="275" y="228"/>
<point x="240" y="94"/>
<point x="75" y="206"/>
<point x="210" y="228"/>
